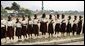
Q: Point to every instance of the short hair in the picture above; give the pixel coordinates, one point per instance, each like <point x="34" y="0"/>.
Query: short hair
<point x="50" y="16"/>
<point x="69" y="17"/>
<point x="17" y="18"/>
<point x="80" y="17"/>
<point x="63" y="15"/>
<point x="28" y="16"/>
<point x="75" y="17"/>
<point x="35" y="15"/>
<point x="9" y="18"/>
<point x="43" y="15"/>
<point x="58" y="15"/>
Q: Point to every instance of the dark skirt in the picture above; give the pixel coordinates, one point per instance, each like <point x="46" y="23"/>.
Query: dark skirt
<point x="79" y="28"/>
<point x="3" y="32"/>
<point x="41" y="24"/>
<point x="18" y="31"/>
<point x="43" y="27"/>
<point x="35" y="29"/>
<point x="74" y="28"/>
<point x="57" y="28"/>
<point x="10" y="31"/>
<point x="69" y="28"/>
<point x="83" y="28"/>
<point x="29" y="29"/>
<point x="50" y="28"/>
<point x="24" y="31"/>
<point x="63" y="27"/>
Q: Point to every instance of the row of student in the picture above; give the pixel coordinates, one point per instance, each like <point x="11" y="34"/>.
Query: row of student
<point x="31" y="26"/>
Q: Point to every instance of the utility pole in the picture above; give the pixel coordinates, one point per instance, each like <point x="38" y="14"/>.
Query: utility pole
<point x="42" y="7"/>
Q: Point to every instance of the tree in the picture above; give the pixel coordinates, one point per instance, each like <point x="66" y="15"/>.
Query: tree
<point x="25" y="11"/>
<point x="15" y="6"/>
<point x="3" y="11"/>
<point x="8" y="8"/>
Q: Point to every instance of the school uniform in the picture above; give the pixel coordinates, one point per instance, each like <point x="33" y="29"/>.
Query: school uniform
<point x="79" y="27"/>
<point x="43" y="25"/>
<point x="35" y="26"/>
<point x="75" y="26"/>
<point x="50" y="26"/>
<point x="69" y="27"/>
<point x="10" y="28"/>
<point x="3" y="28"/>
<point x="24" y="29"/>
<point x="30" y="27"/>
<point x="63" y="26"/>
<point x="57" y="26"/>
<point x="18" y="29"/>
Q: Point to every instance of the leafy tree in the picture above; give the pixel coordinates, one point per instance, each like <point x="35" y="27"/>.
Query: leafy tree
<point x="3" y="11"/>
<point x="15" y="6"/>
<point x="8" y="8"/>
<point x="26" y="11"/>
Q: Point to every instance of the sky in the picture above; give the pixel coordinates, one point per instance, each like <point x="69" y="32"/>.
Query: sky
<point x="48" y="5"/>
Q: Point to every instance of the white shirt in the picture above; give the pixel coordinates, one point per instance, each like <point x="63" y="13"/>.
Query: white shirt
<point x="35" y="21"/>
<point x="51" y="20"/>
<point x="69" y="21"/>
<point x="3" y="23"/>
<point x="75" y="22"/>
<point x="64" y="21"/>
<point x="18" y="24"/>
<point x="10" y="23"/>
<point x="43" y="20"/>
<point x="57" y="21"/>
<point x="24" y="22"/>
<point x="30" y="22"/>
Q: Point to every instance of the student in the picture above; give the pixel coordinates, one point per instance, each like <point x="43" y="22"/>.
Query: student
<point x="75" y="27"/>
<point x="43" y="25"/>
<point x="24" y="29"/>
<point x="79" y="25"/>
<point x="3" y="29"/>
<point x="35" y="25"/>
<point x="18" y="29"/>
<point x="63" y="25"/>
<point x="69" y="27"/>
<point x="10" y="28"/>
<point x="30" y="27"/>
<point x="50" y="26"/>
<point x="57" y="26"/>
